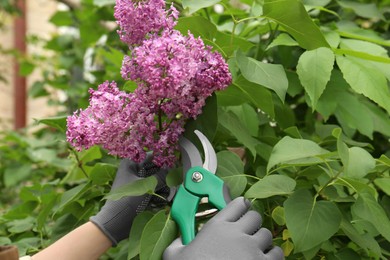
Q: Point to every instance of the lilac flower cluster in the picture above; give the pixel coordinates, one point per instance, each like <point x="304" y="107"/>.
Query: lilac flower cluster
<point x="116" y="120"/>
<point x="174" y="73"/>
<point x="177" y="70"/>
<point x="139" y="19"/>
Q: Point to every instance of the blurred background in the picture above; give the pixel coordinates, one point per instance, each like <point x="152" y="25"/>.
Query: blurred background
<point x="19" y="36"/>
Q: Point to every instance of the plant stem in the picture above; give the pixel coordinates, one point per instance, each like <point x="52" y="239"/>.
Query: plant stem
<point x="157" y="195"/>
<point x="247" y="175"/>
<point x="329" y="181"/>
<point x="79" y="162"/>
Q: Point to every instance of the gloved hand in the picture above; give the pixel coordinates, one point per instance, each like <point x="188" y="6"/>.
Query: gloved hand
<point x="234" y="233"/>
<point x="116" y="217"/>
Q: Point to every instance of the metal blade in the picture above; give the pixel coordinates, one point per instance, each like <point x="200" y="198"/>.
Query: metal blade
<point x="210" y="158"/>
<point x="189" y="154"/>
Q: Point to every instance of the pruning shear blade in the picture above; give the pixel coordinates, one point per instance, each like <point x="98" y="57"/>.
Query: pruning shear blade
<point x="210" y="158"/>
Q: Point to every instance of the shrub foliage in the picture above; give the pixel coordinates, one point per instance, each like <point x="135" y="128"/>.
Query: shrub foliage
<point x="308" y="109"/>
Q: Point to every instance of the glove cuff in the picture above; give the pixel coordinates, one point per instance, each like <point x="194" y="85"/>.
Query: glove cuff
<point x="116" y="217"/>
<point x="103" y="230"/>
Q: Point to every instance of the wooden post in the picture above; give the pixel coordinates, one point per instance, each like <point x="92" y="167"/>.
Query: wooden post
<point x="20" y="96"/>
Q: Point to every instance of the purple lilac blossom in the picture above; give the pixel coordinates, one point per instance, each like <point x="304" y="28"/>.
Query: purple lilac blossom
<point x="174" y="73"/>
<point x="122" y="124"/>
<point x="138" y="19"/>
<point x="178" y="71"/>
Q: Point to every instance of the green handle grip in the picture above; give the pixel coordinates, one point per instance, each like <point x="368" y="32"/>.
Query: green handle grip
<point x="183" y="212"/>
<point x="198" y="183"/>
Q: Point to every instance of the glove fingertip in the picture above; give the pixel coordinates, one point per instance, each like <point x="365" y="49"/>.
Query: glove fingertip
<point x="173" y="249"/>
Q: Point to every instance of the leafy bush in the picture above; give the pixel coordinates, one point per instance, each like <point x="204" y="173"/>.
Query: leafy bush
<point x="308" y="110"/>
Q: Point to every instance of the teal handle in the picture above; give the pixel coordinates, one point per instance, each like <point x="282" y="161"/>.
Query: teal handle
<point x="198" y="183"/>
<point x="210" y="186"/>
<point x="183" y="212"/>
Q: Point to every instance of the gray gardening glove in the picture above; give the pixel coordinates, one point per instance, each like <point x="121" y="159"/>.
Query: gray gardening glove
<point x="116" y="217"/>
<point x="234" y="233"/>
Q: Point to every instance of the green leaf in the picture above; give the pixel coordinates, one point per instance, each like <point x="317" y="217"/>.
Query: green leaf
<point x="383" y="184"/>
<point x="380" y="118"/>
<point x="366" y="80"/>
<point x="256" y="94"/>
<point x="310" y="222"/>
<point x="48" y="156"/>
<point x="5" y="241"/>
<point x="112" y="56"/>
<point x="357" y="185"/>
<point x="364" y="241"/>
<point x="362" y="55"/>
<point x="328" y="102"/>
<point x="232" y="123"/>
<point x="205" y="122"/>
<point x="21" y="211"/>
<point x="295" y="151"/>
<point x="14" y="174"/>
<point x="364" y="50"/>
<point x="21" y="225"/>
<point x="349" y="29"/>
<point x="130" y="86"/>
<point x="102" y="173"/>
<point x="294" y="84"/>
<point x="232" y="96"/>
<point x="348" y="108"/>
<point x="37" y="90"/>
<point x="194" y="6"/>
<point x="228" y="45"/>
<point x="158" y="234"/>
<point x="136" y="188"/>
<point x="296" y="21"/>
<point x="26" y="68"/>
<point x="27" y="243"/>
<point x="314" y="70"/>
<point x="222" y="42"/>
<point x="271" y="185"/>
<point x="197" y="25"/>
<point x="384" y="160"/>
<point x="368" y="10"/>
<point x="332" y="37"/>
<point x="138" y="226"/>
<point x="71" y="195"/>
<point x="278" y="216"/>
<point x="360" y="163"/>
<point x="271" y="76"/>
<point x="62" y="18"/>
<point x="174" y="177"/>
<point x="284" y="114"/>
<point x="342" y="148"/>
<point x="101" y="3"/>
<point x="78" y="172"/>
<point x="367" y="208"/>
<point x="58" y="122"/>
<point x="44" y="212"/>
<point x="248" y="117"/>
<point x="283" y="39"/>
<point x="316" y="2"/>
<point x="231" y="171"/>
<point x="375" y="54"/>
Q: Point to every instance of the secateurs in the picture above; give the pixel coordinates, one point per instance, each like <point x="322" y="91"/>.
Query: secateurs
<point x="199" y="181"/>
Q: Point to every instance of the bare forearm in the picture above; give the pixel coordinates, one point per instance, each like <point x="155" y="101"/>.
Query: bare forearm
<point x="86" y="242"/>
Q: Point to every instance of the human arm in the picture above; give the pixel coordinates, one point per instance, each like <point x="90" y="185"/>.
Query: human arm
<point x="234" y="233"/>
<point x="112" y="223"/>
<point x="85" y="242"/>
